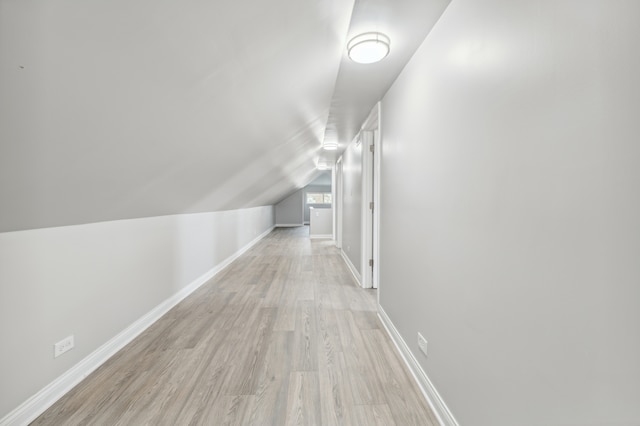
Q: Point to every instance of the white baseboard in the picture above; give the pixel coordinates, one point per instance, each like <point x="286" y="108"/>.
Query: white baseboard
<point x="352" y="268"/>
<point x="26" y="412"/>
<point x="321" y="236"/>
<point x="288" y="225"/>
<point x="435" y="401"/>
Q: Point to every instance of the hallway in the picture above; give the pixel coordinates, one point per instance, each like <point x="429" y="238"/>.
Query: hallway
<point x="281" y="336"/>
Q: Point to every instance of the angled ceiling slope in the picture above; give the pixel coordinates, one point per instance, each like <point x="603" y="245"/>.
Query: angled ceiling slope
<point x="124" y="109"/>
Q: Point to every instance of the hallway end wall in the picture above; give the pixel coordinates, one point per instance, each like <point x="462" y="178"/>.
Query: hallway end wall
<point x="290" y="211"/>
<point x="314" y="188"/>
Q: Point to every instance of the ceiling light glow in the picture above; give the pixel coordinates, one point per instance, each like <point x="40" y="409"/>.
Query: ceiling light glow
<point x="323" y="165"/>
<point x="330" y="145"/>
<point x="368" y="48"/>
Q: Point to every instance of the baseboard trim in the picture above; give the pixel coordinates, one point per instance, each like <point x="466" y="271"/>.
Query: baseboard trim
<point x="435" y="401"/>
<point x="352" y="268"/>
<point x="289" y="225"/>
<point x="29" y="410"/>
<point x="320" y="236"/>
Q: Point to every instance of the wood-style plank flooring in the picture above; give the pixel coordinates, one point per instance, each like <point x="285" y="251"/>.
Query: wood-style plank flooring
<point x="283" y="336"/>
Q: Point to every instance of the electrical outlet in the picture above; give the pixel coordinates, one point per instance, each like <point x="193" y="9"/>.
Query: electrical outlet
<point x="63" y="346"/>
<point x="422" y="344"/>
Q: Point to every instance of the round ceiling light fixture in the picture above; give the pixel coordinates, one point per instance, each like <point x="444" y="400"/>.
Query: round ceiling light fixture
<point x="330" y="145"/>
<point x="368" y="48"/>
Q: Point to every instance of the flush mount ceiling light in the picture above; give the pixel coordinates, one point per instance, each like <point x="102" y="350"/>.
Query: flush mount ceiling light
<point x="330" y="145"/>
<point x="368" y="48"/>
<point x="323" y="165"/>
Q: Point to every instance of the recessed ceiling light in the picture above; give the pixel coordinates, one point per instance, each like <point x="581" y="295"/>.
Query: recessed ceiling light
<point x="368" y="48"/>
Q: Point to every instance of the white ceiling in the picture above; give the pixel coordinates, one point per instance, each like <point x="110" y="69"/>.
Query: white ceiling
<point x="134" y="108"/>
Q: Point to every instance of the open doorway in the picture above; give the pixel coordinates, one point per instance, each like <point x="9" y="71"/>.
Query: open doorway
<point x="357" y="193"/>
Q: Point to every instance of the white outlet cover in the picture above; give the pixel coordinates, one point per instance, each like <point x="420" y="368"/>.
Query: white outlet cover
<point x="63" y="346"/>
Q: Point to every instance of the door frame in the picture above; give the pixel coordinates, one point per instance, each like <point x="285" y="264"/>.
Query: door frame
<point x="337" y="189"/>
<point x="370" y="133"/>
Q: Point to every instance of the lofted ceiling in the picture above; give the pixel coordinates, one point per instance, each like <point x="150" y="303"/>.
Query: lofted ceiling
<point x="123" y="109"/>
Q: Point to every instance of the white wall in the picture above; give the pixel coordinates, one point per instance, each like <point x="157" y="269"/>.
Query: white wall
<point x="321" y="223"/>
<point x="290" y="210"/>
<point x="352" y="204"/>
<point x="510" y="221"/>
<point x="94" y="280"/>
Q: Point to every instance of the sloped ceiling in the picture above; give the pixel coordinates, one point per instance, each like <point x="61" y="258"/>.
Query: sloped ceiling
<point x="134" y="108"/>
<point x="323" y="179"/>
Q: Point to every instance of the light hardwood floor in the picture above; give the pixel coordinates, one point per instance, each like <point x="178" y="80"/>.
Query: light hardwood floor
<point x="283" y="336"/>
